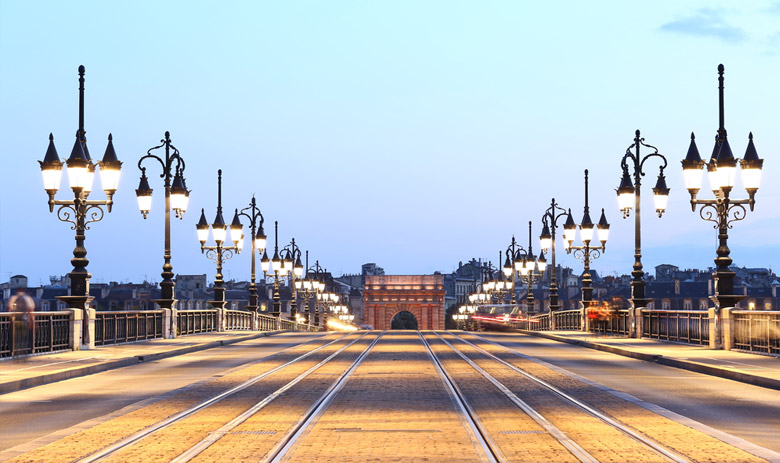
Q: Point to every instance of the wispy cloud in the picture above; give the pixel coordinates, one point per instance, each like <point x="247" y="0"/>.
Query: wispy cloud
<point x="706" y="22"/>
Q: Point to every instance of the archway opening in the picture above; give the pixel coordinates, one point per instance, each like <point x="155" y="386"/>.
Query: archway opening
<point x="404" y="321"/>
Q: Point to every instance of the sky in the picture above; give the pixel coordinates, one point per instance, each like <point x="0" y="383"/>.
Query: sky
<point x="410" y="134"/>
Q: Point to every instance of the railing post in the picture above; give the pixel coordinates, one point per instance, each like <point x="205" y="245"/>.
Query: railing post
<point x="552" y="321"/>
<point x="254" y="321"/>
<point x="172" y="327"/>
<point x="89" y="314"/>
<point x="727" y="329"/>
<point x="632" y="322"/>
<point x="168" y="316"/>
<point x="220" y="319"/>
<point x="639" y="319"/>
<point x="585" y="322"/>
<point x="715" y="331"/>
<point x="76" y="319"/>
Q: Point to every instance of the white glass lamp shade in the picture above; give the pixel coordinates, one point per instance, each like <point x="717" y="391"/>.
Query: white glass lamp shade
<point x="260" y="243"/>
<point x="240" y="243"/>
<point x="626" y="200"/>
<point x="265" y="263"/>
<point x="660" y="201"/>
<point x="542" y="265"/>
<point x="109" y="177"/>
<point x="276" y="264"/>
<point x="751" y="177"/>
<point x="235" y="234"/>
<point x="298" y="285"/>
<point x="52" y="176"/>
<point x="569" y="234"/>
<point x="603" y="233"/>
<point x="219" y="233"/>
<point x="77" y="175"/>
<point x="306" y="285"/>
<point x="692" y="176"/>
<point x="320" y="286"/>
<point x="203" y="233"/>
<point x="508" y="271"/>
<point x="179" y="201"/>
<point x="145" y="205"/>
<point x="51" y="168"/>
<point x="89" y="179"/>
<point x="546" y="242"/>
<point x="728" y="175"/>
<point x="586" y="233"/>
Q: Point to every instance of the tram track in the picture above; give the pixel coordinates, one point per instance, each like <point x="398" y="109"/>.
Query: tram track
<point x="148" y="431"/>
<point x="576" y="449"/>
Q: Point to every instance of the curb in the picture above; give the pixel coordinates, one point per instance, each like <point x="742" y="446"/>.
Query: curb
<point x="755" y="380"/>
<point x="25" y="383"/>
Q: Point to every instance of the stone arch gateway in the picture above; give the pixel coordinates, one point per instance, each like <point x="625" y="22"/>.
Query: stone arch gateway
<point x="385" y="296"/>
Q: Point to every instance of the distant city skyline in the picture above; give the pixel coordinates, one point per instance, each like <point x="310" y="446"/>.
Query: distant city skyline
<point x="413" y="135"/>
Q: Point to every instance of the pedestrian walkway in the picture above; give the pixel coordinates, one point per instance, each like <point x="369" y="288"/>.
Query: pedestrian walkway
<point x="31" y="371"/>
<point x="760" y="370"/>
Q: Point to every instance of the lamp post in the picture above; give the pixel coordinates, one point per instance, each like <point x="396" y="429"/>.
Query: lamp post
<point x="292" y="261"/>
<point x="547" y="242"/>
<point x="279" y="271"/>
<point x="176" y="198"/>
<point x="723" y="210"/>
<point x="80" y="211"/>
<point x="318" y="287"/>
<point x="220" y="252"/>
<point x="586" y="252"/>
<point x="629" y="196"/>
<point x="253" y="214"/>
<point x="522" y="263"/>
<point x="307" y="287"/>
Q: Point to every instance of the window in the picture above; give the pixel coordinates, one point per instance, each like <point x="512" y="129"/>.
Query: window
<point x="687" y="304"/>
<point x="703" y="304"/>
<point x="666" y="304"/>
<point x="767" y="304"/>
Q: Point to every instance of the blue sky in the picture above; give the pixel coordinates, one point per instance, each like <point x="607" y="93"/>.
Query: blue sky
<point x="410" y="134"/>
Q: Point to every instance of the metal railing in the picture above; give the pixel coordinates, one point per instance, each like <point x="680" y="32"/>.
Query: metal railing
<point x="568" y="319"/>
<point x="688" y="326"/>
<point x="196" y="321"/>
<point x="616" y="322"/>
<point x="51" y="332"/>
<point x="286" y="324"/>
<point x="116" y="327"/>
<point x="238" y="320"/>
<point x="266" y="322"/>
<point x="756" y="331"/>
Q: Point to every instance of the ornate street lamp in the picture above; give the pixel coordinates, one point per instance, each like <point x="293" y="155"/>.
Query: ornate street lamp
<point x="522" y="263"/>
<point x="586" y="252"/>
<point x="291" y="260"/>
<point x="547" y="242"/>
<point x="220" y="252"/>
<point x="318" y="288"/>
<point x="279" y="271"/>
<point x="723" y="210"/>
<point x="629" y="196"/>
<point x="253" y="214"/>
<point x="307" y="287"/>
<point x="176" y="198"/>
<point x="81" y="174"/>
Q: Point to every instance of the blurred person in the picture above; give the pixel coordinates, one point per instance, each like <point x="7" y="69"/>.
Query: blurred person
<point x="24" y="326"/>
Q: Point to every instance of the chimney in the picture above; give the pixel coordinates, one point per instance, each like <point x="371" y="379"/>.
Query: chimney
<point x="677" y="286"/>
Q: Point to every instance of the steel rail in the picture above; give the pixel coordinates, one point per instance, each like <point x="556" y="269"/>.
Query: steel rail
<point x="630" y="432"/>
<point x="108" y="451"/>
<point x="580" y="453"/>
<point x="475" y="427"/>
<point x="312" y="415"/>
<point x="214" y="436"/>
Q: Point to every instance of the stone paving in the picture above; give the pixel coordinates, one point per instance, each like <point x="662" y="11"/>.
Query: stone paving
<point x="394" y="407"/>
